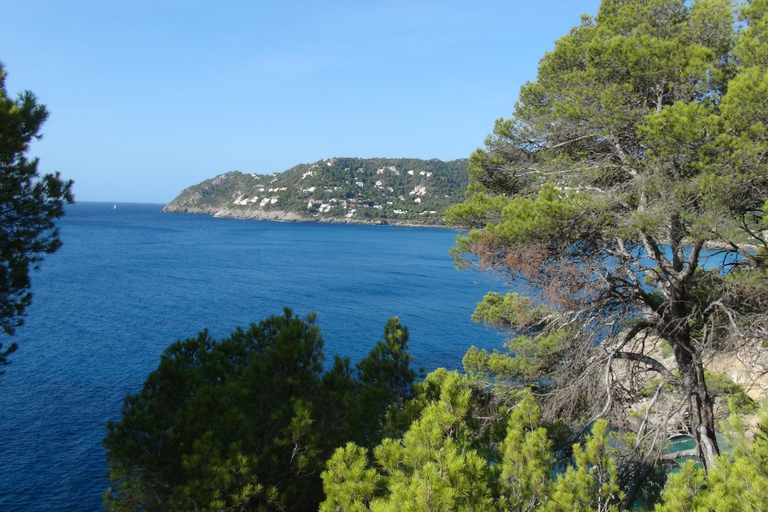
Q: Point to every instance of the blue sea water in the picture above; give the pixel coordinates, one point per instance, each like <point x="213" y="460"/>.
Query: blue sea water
<point x="129" y="281"/>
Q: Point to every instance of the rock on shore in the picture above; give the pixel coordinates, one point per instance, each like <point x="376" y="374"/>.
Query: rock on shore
<point x="279" y="216"/>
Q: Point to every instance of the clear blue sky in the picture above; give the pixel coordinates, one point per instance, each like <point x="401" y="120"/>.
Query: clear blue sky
<point x="149" y="97"/>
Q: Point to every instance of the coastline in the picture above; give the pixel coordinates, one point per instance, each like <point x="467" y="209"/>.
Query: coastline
<point x="283" y="216"/>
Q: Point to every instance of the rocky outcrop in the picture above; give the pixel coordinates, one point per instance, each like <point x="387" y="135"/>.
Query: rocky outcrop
<point x="281" y="216"/>
<point x="173" y="208"/>
<point x="233" y="213"/>
<point x="275" y="215"/>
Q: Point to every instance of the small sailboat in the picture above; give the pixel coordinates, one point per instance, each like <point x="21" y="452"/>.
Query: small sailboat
<point x="114" y="207"/>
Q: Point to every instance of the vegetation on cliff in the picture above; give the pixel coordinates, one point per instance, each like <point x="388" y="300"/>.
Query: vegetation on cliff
<point x="254" y="422"/>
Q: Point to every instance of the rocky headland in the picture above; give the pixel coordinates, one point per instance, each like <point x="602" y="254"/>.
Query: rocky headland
<point x="407" y="192"/>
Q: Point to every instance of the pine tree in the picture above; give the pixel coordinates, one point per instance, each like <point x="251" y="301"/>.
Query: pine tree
<point x="29" y="206"/>
<point x="641" y="144"/>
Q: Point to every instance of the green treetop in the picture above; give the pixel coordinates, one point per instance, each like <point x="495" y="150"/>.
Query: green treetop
<point x="439" y="465"/>
<point x="247" y="422"/>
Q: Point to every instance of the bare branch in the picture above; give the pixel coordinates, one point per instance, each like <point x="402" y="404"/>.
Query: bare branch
<point x="692" y="452"/>
<point x="651" y="363"/>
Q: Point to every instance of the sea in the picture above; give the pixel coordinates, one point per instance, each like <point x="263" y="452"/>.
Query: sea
<point x="130" y="280"/>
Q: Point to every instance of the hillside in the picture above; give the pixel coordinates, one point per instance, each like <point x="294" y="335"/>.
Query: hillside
<point x="375" y="190"/>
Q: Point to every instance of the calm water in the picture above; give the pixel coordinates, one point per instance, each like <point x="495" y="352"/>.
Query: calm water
<point x="130" y="281"/>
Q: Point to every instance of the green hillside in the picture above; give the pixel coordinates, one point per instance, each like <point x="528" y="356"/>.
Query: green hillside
<point x="375" y="190"/>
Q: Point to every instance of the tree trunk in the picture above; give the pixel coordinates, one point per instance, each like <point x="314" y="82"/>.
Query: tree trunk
<point x="676" y="323"/>
<point x="699" y="402"/>
<point x="639" y="472"/>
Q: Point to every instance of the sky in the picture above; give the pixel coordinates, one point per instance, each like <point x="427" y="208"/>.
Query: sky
<point x="147" y="97"/>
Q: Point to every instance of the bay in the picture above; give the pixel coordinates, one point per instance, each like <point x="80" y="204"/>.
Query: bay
<point x="129" y="281"/>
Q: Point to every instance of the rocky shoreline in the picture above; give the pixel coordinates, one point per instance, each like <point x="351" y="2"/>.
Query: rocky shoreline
<point x="283" y="216"/>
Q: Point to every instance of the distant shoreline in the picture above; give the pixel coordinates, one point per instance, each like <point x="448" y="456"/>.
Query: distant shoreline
<point x="282" y="216"/>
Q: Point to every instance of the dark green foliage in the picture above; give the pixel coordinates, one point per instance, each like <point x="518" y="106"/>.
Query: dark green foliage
<point x="223" y="423"/>
<point x="386" y="379"/>
<point x="29" y="206"/>
<point x="248" y="422"/>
